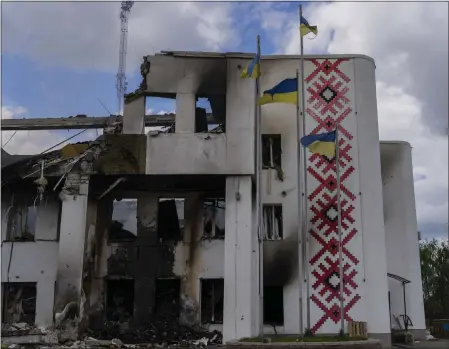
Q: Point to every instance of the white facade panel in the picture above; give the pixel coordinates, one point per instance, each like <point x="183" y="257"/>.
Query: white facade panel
<point x="402" y="233"/>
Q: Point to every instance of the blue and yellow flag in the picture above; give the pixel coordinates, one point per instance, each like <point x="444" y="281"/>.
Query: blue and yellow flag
<point x="253" y="69"/>
<point x="284" y="92"/>
<point x="323" y="143"/>
<point x="305" y="28"/>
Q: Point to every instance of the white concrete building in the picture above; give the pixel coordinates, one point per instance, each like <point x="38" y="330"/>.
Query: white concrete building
<point x="98" y="247"/>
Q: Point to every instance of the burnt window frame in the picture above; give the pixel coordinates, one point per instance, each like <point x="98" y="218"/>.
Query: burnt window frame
<point x="270" y="160"/>
<point x="23" y="204"/>
<point x="160" y="236"/>
<point x="216" y="205"/>
<point x="107" y="288"/>
<point x="175" y="304"/>
<point x="115" y="239"/>
<point x="213" y="320"/>
<point x="5" y="294"/>
<point x="279" y="213"/>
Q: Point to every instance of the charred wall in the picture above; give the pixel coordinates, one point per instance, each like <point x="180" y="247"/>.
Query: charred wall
<point x="146" y="258"/>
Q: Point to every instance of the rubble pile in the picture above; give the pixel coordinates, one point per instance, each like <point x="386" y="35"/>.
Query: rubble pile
<point x="162" y="333"/>
<point x="164" y="328"/>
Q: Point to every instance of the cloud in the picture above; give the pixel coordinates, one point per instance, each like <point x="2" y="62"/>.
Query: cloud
<point x="412" y="79"/>
<point x="406" y="55"/>
<point x="35" y="142"/>
<point x="87" y="34"/>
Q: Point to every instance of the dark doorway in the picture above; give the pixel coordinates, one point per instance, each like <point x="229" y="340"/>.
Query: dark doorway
<point x="273" y="305"/>
<point x="212" y="293"/>
<point x="167" y="298"/>
<point x="119" y="300"/>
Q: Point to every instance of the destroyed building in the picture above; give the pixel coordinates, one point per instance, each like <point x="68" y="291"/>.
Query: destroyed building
<point x="136" y="227"/>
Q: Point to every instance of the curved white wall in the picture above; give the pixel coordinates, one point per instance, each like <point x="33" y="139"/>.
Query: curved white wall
<point x="402" y="232"/>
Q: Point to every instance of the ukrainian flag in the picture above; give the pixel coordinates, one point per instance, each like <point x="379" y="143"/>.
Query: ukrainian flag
<point x="253" y="69"/>
<point x="284" y="92"/>
<point x="323" y="144"/>
<point x="305" y="28"/>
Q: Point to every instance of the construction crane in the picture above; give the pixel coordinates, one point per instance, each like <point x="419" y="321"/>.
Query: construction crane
<point x="121" y="83"/>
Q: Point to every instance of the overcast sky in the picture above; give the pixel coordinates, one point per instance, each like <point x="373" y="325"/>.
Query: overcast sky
<point x="58" y="59"/>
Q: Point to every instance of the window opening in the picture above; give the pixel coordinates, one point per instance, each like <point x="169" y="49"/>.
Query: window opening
<point x="214" y="218"/>
<point x="120" y="300"/>
<point x="19" y="302"/>
<point x="210" y="114"/>
<point x="272" y="222"/>
<point x="165" y="107"/>
<point x="167" y="298"/>
<point x="273" y="305"/>
<point x="272" y="154"/>
<point x="170" y="219"/>
<point x="124" y="220"/>
<point x="22" y="221"/>
<point x="212" y="293"/>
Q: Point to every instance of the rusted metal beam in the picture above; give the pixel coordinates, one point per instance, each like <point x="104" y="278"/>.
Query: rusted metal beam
<point x="77" y="122"/>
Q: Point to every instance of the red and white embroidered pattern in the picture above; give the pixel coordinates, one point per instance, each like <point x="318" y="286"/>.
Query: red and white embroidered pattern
<point x="327" y="103"/>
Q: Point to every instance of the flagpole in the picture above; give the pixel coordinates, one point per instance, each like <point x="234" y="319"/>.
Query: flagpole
<point x="340" y="245"/>
<point x="304" y="165"/>
<point x="300" y="241"/>
<point x="259" y="210"/>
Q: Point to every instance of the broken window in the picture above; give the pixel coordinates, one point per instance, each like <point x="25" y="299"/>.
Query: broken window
<point x="167" y="297"/>
<point x="170" y="222"/>
<point x="212" y="293"/>
<point x="124" y="220"/>
<point x="119" y="300"/>
<point x="210" y="115"/>
<point x="214" y="218"/>
<point x="272" y="222"/>
<point x="168" y="102"/>
<point x="272" y="154"/>
<point x="22" y="222"/>
<point x="273" y="305"/>
<point x="19" y="302"/>
<point x="271" y="151"/>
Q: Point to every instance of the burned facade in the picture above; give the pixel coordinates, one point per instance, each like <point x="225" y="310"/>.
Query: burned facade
<point x="137" y="230"/>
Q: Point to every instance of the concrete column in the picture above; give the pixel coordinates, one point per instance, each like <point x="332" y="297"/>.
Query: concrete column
<point x="45" y="290"/>
<point x="71" y="244"/>
<point x="240" y="270"/>
<point x="147" y="267"/>
<point x="190" y="283"/>
<point x="185" y="113"/>
<point x="134" y="117"/>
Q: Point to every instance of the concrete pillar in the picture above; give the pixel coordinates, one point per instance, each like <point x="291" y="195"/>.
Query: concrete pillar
<point x="45" y="290"/>
<point x="71" y="244"/>
<point x="241" y="281"/>
<point x="185" y="113"/>
<point x="147" y="267"/>
<point x="190" y="283"/>
<point x="134" y="117"/>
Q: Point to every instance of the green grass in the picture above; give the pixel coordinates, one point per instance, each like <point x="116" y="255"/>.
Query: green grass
<point x="292" y="339"/>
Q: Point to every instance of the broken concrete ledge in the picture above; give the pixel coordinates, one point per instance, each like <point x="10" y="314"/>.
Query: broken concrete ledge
<point x="31" y="339"/>
<point x="364" y="344"/>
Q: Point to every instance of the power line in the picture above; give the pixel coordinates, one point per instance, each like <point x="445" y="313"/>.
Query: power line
<point x="4" y="145"/>
<point x="68" y="139"/>
<point x="99" y="100"/>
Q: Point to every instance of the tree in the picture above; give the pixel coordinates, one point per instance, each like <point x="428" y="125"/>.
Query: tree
<point x="435" y="278"/>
